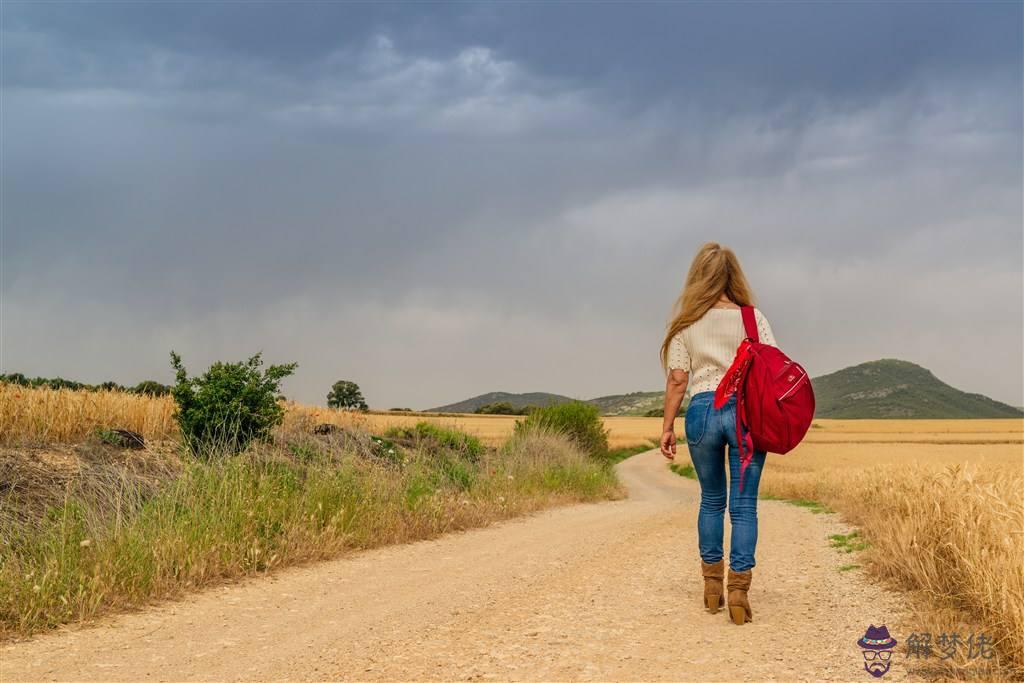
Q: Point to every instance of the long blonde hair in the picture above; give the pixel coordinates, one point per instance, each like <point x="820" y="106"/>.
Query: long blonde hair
<point x="715" y="271"/>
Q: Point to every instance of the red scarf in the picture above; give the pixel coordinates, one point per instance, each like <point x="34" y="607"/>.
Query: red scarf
<point x="732" y="383"/>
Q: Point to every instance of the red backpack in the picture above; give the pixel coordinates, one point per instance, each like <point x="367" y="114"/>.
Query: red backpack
<point x="774" y="398"/>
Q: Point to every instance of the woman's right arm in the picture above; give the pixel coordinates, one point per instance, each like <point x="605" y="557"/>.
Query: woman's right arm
<point x="675" y="389"/>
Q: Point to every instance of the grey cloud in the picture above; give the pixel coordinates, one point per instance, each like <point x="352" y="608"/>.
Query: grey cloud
<point x="443" y="203"/>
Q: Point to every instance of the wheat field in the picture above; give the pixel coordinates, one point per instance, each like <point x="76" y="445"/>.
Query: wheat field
<point x="63" y="415"/>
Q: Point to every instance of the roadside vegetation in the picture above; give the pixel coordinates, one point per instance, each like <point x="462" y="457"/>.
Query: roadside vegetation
<point x="617" y="455"/>
<point x="580" y="421"/>
<point x="233" y="489"/>
<point x="684" y="470"/>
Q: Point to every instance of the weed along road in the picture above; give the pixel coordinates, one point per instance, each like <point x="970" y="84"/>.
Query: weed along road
<point x="605" y="591"/>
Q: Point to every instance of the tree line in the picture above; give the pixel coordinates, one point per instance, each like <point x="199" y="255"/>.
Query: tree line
<point x="146" y="387"/>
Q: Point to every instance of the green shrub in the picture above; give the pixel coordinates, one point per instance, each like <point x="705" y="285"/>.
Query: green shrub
<point x="580" y="421"/>
<point x="386" y="451"/>
<point x="434" y="439"/>
<point x="457" y="471"/>
<point x="229" y="406"/>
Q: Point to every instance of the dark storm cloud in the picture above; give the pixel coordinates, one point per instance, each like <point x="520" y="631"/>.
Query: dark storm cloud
<point x="440" y="200"/>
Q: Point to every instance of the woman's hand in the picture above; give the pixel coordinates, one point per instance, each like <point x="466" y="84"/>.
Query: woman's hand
<point x="668" y="444"/>
<point x="675" y="389"/>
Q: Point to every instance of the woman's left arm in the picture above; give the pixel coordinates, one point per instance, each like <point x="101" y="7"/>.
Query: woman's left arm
<point x="675" y="389"/>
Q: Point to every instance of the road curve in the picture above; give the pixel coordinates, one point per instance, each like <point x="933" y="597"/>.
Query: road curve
<point x="604" y="591"/>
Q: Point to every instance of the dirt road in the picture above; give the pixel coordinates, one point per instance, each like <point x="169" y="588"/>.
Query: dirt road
<point x="606" y="591"/>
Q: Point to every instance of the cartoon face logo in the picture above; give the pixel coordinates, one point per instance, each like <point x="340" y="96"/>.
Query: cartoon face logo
<point x="877" y="646"/>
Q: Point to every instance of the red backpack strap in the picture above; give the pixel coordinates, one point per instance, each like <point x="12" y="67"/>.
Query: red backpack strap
<point x="749" y="323"/>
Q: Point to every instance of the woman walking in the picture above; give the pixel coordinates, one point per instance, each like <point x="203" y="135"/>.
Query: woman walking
<point x="701" y="342"/>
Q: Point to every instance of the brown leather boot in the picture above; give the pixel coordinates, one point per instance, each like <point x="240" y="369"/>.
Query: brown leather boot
<point x="739" y="607"/>
<point x="713" y="574"/>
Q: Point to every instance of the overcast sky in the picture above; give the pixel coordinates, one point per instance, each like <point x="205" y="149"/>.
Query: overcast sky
<point x="441" y="200"/>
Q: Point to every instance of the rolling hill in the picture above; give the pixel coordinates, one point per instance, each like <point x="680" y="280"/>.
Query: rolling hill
<point x="636" y="403"/>
<point x="536" y="398"/>
<point x="891" y="388"/>
<point x="885" y="388"/>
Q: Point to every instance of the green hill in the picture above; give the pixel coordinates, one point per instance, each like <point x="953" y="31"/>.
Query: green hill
<point x="885" y="388"/>
<point x="892" y="388"/>
<point x="537" y="398"/>
<point x="636" y="403"/>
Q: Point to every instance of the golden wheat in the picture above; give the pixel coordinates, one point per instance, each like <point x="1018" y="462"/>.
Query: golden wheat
<point x="65" y="415"/>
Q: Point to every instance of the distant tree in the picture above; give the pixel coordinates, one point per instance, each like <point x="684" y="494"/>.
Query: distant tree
<point x="499" y="408"/>
<point x="400" y="410"/>
<point x="346" y="395"/>
<point x="61" y="383"/>
<point x="148" y="387"/>
<point x="151" y="388"/>
<point x="658" y="412"/>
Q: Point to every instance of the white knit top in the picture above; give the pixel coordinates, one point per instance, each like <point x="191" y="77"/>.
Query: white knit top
<point x="707" y="348"/>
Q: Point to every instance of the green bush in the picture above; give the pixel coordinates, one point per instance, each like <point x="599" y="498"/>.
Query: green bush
<point x="434" y="439"/>
<point x="580" y="421"/>
<point x="229" y="406"/>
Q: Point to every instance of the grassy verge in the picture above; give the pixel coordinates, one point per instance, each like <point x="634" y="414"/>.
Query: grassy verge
<point x="848" y="543"/>
<point x="617" y="455"/>
<point x="814" y="506"/>
<point x="684" y="470"/>
<point x="114" y="538"/>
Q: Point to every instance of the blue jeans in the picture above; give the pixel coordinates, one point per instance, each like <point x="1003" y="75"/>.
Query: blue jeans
<point x="709" y="433"/>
